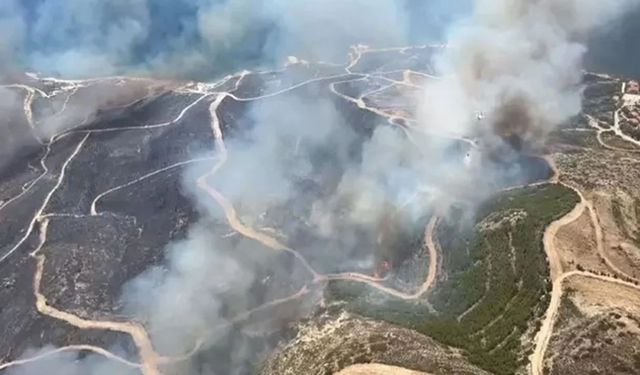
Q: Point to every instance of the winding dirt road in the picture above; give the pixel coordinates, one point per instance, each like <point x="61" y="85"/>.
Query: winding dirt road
<point x="138" y="334"/>
<point x="149" y="358"/>
<point x="558" y="277"/>
<point x="272" y="243"/>
<point x="550" y="234"/>
<point x="150" y="361"/>
<point x="546" y="331"/>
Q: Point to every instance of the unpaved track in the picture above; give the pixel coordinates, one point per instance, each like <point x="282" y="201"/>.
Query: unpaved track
<point x="629" y="100"/>
<point x="150" y="360"/>
<point x="544" y="335"/>
<point x="600" y="244"/>
<point x="550" y="234"/>
<point x="595" y="123"/>
<point x="391" y="118"/>
<point x="555" y="270"/>
<point x="28" y="113"/>
<point x="148" y="356"/>
<point x="272" y="243"/>
<point x="149" y="126"/>
<point x="424" y="287"/>
<point x="558" y="277"/>
<point x="433" y="258"/>
<point x="46" y="200"/>
<point x="584" y="203"/>
<point x="95" y="201"/>
<point x="70" y="348"/>
<point x="30" y="185"/>
<point x="593" y="215"/>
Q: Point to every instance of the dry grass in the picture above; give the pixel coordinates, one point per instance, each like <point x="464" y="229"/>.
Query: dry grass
<point x="576" y="246"/>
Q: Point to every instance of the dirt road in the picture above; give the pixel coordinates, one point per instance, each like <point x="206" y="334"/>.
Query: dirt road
<point x="558" y="277"/>
<point x="231" y="215"/>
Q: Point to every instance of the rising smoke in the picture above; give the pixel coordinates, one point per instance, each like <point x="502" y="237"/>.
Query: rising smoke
<point x="181" y="302"/>
<point x="187" y="39"/>
<point x="12" y="27"/>
<point x="17" y="133"/>
<point x="517" y="62"/>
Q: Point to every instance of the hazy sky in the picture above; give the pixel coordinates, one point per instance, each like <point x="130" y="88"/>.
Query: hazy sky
<point x="198" y="38"/>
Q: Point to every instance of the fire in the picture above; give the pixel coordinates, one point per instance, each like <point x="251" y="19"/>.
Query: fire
<point x="383" y="268"/>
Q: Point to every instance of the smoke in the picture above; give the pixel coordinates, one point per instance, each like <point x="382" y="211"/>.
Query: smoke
<point x="517" y="62"/>
<point x="17" y="138"/>
<point x="178" y="39"/>
<point x="324" y="29"/>
<point x="278" y="150"/>
<point x="180" y="302"/>
<point x="66" y="363"/>
<point x="86" y="104"/>
<point x="12" y="28"/>
<point x="430" y="20"/>
<point x="308" y="163"/>
<point x="83" y="38"/>
<point x="187" y="39"/>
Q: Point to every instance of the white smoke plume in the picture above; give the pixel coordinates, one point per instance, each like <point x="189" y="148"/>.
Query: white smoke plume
<point x="265" y="163"/>
<point x="518" y="63"/>
<point x="182" y="38"/>
<point x="180" y="301"/>
<point x="12" y="28"/>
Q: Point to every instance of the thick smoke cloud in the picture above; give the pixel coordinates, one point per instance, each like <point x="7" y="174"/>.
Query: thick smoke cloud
<point x="324" y="29"/>
<point x="193" y="39"/>
<point x="430" y="20"/>
<point x="15" y="137"/>
<point x="12" y="29"/>
<point x="180" y="302"/>
<point x="615" y="48"/>
<point x="519" y="63"/>
<point x="265" y="164"/>
<point x="86" y="38"/>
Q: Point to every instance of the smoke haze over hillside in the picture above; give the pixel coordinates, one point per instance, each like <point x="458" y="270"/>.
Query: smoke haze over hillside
<point x="194" y="39"/>
<point x="518" y="62"/>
